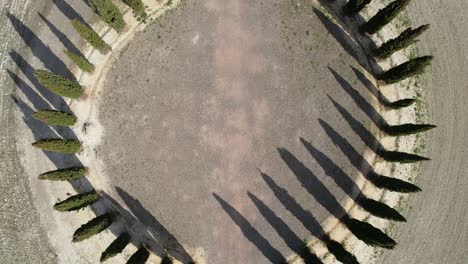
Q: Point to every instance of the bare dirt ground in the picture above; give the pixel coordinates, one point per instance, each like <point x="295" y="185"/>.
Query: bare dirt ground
<point x="437" y="228"/>
<point x="190" y="118"/>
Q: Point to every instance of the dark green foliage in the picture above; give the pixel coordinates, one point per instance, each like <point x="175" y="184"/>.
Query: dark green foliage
<point x="67" y="146"/>
<point x="76" y="202"/>
<point x="80" y="61"/>
<point x="395" y="185"/>
<point x="402" y="157"/>
<point x="55" y="118"/>
<point x="167" y="260"/>
<point x="308" y="257"/>
<point x="93" y="227"/>
<point x="116" y="247"/>
<point x="139" y="257"/>
<point x="368" y="233"/>
<point x="66" y="174"/>
<point x="90" y="36"/>
<point x="400" y="103"/>
<point x="405" y="70"/>
<point x="354" y="6"/>
<point x="380" y="209"/>
<point x="384" y="16"/>
<point x="136" y="5"/>
<point x="407" y="129"/>
<point x="109" y="13"/>
<point x="58" y="84"/>
<point x="340" y="253"/>
<point x="405" y="39"/>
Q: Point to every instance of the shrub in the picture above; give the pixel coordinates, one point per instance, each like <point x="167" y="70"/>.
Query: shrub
<point x="67" y="174"/>
<point x="395" y="185"/>
<point x="136" y="5"/>
<point x="340" y="253"/>
<point x="384" y="16"/>
<point x="139" y="257"/>
<point x="90" y="36"/>
<point x="368" y="233"/>
<point x="58" y="84"/>
<point x="55" y="118"/>
<point x="402" y="157"/>
<point x="354" y="6"/>
<point x="405" y="39"/>
<point x="380" y="209"/>
<point x="67" y="146"/>
<point x="405" y="70"/>
<point x="109" y="13"/>
<point x="93" y="227"/>
<point x="407" y="129"/>
<point x="115" y="247"/>
<point x="76" y="202"/>
<point x="400" y="103"/>
<point x="80" y="61"/>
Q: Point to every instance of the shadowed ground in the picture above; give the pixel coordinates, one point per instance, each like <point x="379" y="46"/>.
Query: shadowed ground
<point x="205" y="97"/>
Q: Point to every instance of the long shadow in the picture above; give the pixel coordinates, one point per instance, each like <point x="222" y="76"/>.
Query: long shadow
<point x="308" y="220"/>
<point x="166" y="239"/>
<point x="312" y="184"/>
<point x="69" y="11"/>
<point x="272" y="254"/>
<point x="39" y="49"/>
<point x="66" y="42"/>
<point x="283" y="230"/>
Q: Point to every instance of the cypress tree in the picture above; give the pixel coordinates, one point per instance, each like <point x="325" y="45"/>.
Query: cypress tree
<point x="368" y="233"/>
<point x="340" y="253"/>
<point x="167" y="260"/>
<point x="354" y="6"/>
<point x="401" y="157"/>
<point x="109" y="13"/>
<point x="67" y="174"/>
<point x="407" y="129"/>
<point x="405" y="70"/>
<point x="380" y="209"/>
<point x="400" y="103"/>
<point x="55" y="118"/>
<point x="139" y="257"/>
<point x="58" y="84"/>
<point x="93" y="227"/>
<point x="76" y="202"/>
<point x="384" y="16"/>
<point x="136" y="5"/>
<point x="393" y="184"/>
<point x="90" y="36"/>
<point x="80" y="61"/>
<point x="67" y="146"/>
<point x="116" y="247"/>
<point x="405" y="39"/>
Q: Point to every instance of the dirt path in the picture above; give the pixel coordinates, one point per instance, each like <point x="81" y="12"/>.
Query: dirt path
<point x="437" y="228"/>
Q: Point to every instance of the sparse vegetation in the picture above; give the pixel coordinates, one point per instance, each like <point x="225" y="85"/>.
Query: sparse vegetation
<point x="58" y="84"/>
<point x="67" y="146"/>
<point x="109" y="13"/>
<point x="354" y="6"/>
<point x="76" y="202"/>
<point x="380" y="209"/>
<point x="80" y="61"/>
<point x="93" y="227"/>
<point x="407" y="129"/>
<point x="368" y="233"/>
<point x="67" y="174"/>
<point x="55" y="118"/>
<point x="139" y="257"/>
<point x="116" y="247"/>
<point x="405" y="70"/>
<point x="405" y="39"/>
<point x="90" y="36"/>
<point x="384" y="16"/>
<point x="395" y="185"/>
<point x="401" y="157"/>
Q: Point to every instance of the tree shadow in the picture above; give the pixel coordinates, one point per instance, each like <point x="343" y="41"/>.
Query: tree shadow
<point x="307" y="220"/>
<point x="69" y="11"/>
<point x="66" y="42"/>
<point x="39" y="49"/>
<point x="155" y="228"/>
<point x="271" y="253"/>
<point x="283" y="230"/>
